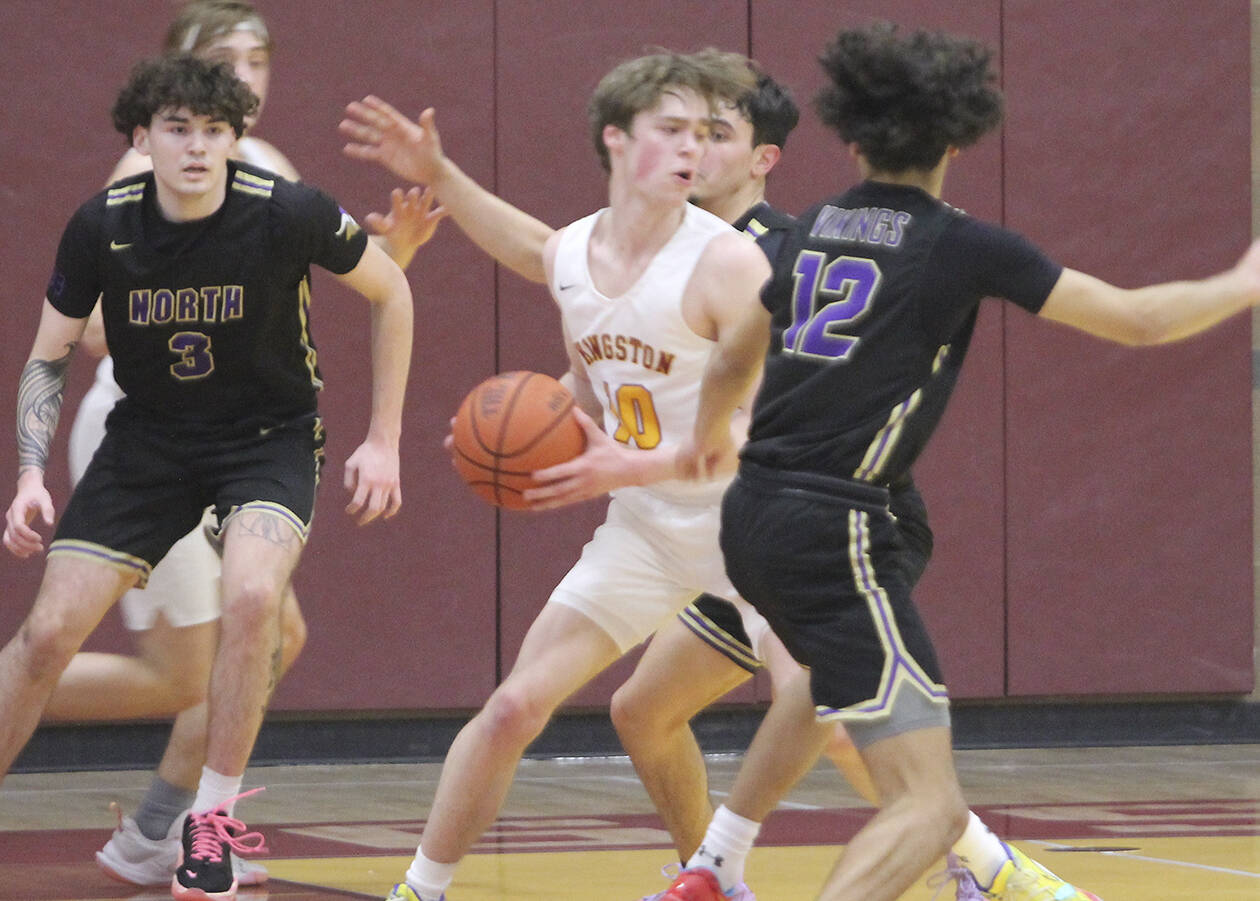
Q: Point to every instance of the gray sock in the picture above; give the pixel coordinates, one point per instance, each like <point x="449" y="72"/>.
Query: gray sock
<point x="161" y="805"/>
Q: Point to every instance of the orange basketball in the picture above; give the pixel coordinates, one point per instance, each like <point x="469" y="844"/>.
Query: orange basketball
<point x="509" y="426"/>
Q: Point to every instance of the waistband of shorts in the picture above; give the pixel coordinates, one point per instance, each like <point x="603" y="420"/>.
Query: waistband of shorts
<point x="834" y="488"/>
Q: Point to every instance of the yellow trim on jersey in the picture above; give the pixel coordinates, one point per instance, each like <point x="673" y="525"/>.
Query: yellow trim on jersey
<point x="247" y="183"/>
<point x="106" y="556"/>
<point x="304" y="315"/>
<point x="126" y="194"/>
<point x="755" y="228"/>
<point x="881" y="448"/>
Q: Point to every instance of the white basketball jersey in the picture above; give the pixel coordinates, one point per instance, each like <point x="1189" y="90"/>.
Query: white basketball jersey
<point x="643" y="360"/>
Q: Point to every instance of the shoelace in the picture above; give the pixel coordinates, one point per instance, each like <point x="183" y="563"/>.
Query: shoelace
<point x="954" y="871"/>
<point x="213" y="830"/>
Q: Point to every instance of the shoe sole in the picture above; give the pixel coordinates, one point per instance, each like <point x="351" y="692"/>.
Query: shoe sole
<point x="116" y="875"/>
<point x="182" y="893"/>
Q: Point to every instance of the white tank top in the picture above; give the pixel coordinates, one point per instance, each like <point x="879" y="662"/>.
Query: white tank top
<point x="643" y="360"/>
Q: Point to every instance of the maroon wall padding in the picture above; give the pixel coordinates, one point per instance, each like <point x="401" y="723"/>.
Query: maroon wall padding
<point x="402" y="613"/>
<point x="1129" y="471"/>
<point x="550" y="58"/>
<point x="960" y="475"/>
<point x="1092" y="504"/>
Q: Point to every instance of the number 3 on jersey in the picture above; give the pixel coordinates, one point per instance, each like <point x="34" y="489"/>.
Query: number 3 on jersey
<point x="845" y="288"/>
<point x="636" y="415"/>
<point x="195" y="359"/>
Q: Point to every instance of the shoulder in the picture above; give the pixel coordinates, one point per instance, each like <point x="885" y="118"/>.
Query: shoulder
<point x="132" y="164"/>
<point x="264" y="155"/>
<point x="731" y="258"/>
<point x="764" y="218"/>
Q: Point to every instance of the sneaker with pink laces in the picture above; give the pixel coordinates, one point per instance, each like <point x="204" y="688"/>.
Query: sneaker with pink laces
<point x="205" y="871"/>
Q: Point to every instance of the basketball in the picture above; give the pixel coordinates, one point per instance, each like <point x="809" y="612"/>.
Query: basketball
<point x="509" y="426"/>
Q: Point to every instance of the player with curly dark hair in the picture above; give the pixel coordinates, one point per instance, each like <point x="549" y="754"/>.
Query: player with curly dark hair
<point x="873" y="294"/>
<point x="904" y="101"/>
<point x="171" y="82"/>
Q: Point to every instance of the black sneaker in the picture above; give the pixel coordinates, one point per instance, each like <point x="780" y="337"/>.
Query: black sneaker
<point x="205" y="872"/>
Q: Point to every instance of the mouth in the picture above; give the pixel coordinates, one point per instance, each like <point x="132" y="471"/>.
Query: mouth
<point x="685" y="176"/>
<point x="196" y="170"/>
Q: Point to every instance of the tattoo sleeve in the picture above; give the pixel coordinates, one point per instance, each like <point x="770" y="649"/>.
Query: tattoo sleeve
<point x="40" y="393"/>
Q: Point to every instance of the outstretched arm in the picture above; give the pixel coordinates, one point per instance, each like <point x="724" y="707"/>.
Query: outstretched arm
<point x="40" y="393"/>
<point x="372" y="471"/>
<point x="380" y="134"/>
<point x="1156" y="314"/>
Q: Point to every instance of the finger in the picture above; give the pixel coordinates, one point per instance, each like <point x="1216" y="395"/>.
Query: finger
<point x="357" y="500"/>
<point x="360" y="131"/>
<point x="377" y="223"/>
<point x="380" y="106"/>
<point x="46" y="510"/>
<point x="397" y="201"/>
<point x="395" y="502"/>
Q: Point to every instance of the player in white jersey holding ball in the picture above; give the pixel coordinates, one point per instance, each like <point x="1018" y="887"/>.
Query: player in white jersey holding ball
<point x="652" y="275"/>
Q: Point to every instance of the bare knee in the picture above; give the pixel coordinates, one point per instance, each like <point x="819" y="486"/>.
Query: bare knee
<point x="513" y="717"/>
<point x="640" y="717"/>
<point x="254" y="605"/>
<point x="45" y="645"/>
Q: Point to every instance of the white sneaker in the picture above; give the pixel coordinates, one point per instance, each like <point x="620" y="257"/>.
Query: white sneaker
<point x="129" y="856"/>
<point x="248" y="872"/>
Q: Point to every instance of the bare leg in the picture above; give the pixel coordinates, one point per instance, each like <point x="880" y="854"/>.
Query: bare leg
<point x="185" y="752"/>
<point x="839" y="748"/>
<point x="260" y="552"/>
<point x="562" y="652"/>
<point x="785" y="748"/>
<point x="678" y="676"/>
<point x="74" y="595"/>
<point x="923" y="815"/>
<point x="168" y="674"/>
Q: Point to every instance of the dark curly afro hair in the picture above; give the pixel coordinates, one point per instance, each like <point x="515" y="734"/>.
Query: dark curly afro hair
<point x="182" y="81"/>
<point x="906" y="99"/>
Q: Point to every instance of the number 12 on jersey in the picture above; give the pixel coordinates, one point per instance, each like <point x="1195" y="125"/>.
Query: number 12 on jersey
<point x="825" y="299"/>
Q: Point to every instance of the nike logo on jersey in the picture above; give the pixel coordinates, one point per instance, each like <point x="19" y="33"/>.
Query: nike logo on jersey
<point x="114" y="245"/>
<point x="567" y="287"/>
<point x="349" y="228"/>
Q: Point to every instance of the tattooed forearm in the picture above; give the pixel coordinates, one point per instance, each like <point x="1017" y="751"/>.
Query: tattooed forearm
<point x="40" y="392"/>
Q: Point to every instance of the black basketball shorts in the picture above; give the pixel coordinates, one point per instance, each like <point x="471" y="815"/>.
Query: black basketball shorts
<point x="819" y="559"/>
<point x="717" y="623"/>
<point x="148" y="484"/>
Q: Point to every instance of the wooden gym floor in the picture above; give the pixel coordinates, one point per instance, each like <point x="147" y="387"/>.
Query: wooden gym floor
<point x="1130" y="824"/>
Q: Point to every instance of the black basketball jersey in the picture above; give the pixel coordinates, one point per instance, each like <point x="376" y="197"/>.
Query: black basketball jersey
<point x="873" y="299"/>
<point x="767" y="225"/>
<point x="208" y="321"/>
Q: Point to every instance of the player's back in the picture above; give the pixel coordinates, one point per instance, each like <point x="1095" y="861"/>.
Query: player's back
<point x="855" y="335"/>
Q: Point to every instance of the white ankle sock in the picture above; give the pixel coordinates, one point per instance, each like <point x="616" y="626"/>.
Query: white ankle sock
<point x="725" y="847"/>
<point x="429" y="878"/>
<point x="980" y="851"/>
<point x="215" y="788"/>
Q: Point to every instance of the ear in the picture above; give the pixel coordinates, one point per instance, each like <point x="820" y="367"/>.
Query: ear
<point x="614" y="138"/>
<point x="140" y="140"/>
<point x="765" y="156"/>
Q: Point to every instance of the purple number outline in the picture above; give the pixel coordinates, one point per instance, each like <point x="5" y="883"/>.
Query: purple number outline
<point x="854" y="280"/>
